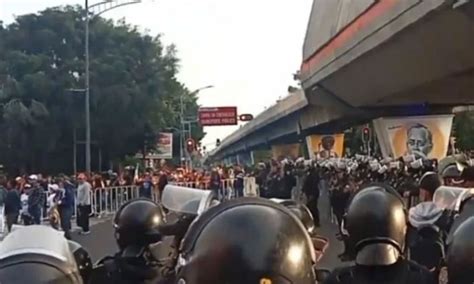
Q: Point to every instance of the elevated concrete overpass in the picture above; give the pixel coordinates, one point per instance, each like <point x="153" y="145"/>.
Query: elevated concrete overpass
<point x="370" y="58"/>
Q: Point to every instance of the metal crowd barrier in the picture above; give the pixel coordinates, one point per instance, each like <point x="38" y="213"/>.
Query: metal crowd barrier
<point x="106" y="201"/>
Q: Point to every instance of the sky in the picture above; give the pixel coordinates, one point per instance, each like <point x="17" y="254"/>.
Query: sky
<point x="247" y="49"/>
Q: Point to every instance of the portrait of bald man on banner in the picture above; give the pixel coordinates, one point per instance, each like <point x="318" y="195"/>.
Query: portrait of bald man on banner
<point x="419" y="141"/>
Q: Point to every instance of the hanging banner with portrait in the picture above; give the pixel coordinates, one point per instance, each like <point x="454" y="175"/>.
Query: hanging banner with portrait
<point x="164" y="146"/>
<point x="287" y="151"/>
<point x="325" y="146"/>
<point x="425" y="137"/>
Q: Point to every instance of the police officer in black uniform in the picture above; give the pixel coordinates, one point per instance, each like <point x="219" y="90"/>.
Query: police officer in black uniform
<point x="460" y="256"/>
<point x="376" y="224"/>
<point x="136" y="226"/>
<point x="83" y="260"/>
<point x="250" y="240"/>
<point x="37" y="254"/>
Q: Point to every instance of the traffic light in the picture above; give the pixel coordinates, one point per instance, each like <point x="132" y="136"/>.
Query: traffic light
<point x="218" y="142"/>
<point x="245" y="117"/>
<point x="366" y="134"/>
<point x="190" y="145"/>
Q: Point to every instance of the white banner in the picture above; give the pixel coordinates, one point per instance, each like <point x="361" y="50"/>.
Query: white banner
<point x="164" y="146"/>
<point x="425" y="137"/>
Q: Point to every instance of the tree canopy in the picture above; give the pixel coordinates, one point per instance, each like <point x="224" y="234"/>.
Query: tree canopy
<point x="133" y="88"/>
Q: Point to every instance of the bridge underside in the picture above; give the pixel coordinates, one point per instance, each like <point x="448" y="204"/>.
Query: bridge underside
<point x="419" y="61"/>
<point x="429" y="61"/>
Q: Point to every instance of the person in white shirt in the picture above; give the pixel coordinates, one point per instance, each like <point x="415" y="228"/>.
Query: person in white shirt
<point x="84" y="204"/>
<point x="25" y="216"/>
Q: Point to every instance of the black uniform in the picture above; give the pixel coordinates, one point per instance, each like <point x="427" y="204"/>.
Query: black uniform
<point x="136" y="226"/>
<point x="376" y="224"/>
<point x="122" y="270"/>
<point x="460" y="256"/>
<point x="311" y="189"/>
<point x="403" y="271"/>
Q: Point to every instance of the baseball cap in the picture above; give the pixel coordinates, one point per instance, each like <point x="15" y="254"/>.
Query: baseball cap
<point x="33" y="177"/>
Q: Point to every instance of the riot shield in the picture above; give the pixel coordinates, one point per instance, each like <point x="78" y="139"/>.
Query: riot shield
<point x="187" y="200"/>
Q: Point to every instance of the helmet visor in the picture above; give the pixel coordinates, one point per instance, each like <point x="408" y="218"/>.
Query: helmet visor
<point x="378" y="254"/>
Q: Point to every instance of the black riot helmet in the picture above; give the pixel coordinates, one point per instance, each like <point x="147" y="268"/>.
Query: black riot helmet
<point x="37" y="254"/>
<point x="376" y="224"/>
<point x="83" y="260"/>
<point x="249" y="240"/>
<point x="301" y="211"/>
<point x="460" y="256"/>
<point x="136" y="223"/>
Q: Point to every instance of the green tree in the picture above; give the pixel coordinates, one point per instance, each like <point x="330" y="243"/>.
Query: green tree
<point x="464" y="130"/>
<point x="133" y="85"/>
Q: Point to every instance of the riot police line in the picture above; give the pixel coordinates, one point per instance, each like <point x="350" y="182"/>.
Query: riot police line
<point x="283" y="251"/>
<point x="253" y="240"/>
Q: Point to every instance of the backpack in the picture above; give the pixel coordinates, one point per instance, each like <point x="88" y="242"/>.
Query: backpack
<point x="427" y="247"/>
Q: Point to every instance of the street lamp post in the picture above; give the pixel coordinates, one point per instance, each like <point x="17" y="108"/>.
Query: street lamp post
<point x="95" y="10"/>
<point x="183" y="123"/>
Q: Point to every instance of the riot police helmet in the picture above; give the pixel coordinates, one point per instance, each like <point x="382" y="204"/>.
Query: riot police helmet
<point x="37" y="254"/>
<point x="248" y="240"/>
<point x="460" y="255"/>
<point x="301" y="211"/>
<point x="385" y="187"/>
<point x="376" y="224"/>
<point x="83" y="260"/>
<point x="137" y="223"/>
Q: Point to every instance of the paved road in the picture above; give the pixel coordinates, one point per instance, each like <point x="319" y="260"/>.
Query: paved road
<point x="101" y="241"/>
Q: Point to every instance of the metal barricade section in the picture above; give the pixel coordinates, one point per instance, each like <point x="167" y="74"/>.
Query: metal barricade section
<point x="107" y="200"/>
<point x="104" y="201"/>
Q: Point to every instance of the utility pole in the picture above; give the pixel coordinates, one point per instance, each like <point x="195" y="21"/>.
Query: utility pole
<point x="87" y="96"/>
<point x="98" y="9"/>
<point x="74" y="137"/>
<point x="183" y="125"/>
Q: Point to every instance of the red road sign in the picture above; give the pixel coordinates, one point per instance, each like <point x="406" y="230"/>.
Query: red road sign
<point x="215" y="116"/>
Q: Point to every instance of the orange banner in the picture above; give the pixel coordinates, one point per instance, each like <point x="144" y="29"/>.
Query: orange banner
<point x="325" y="146"/>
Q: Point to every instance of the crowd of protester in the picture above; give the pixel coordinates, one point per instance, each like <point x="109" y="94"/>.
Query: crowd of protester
<point x="31" y="199"/>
